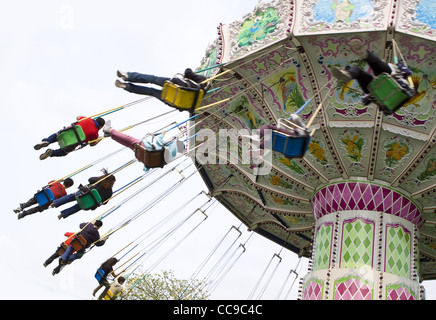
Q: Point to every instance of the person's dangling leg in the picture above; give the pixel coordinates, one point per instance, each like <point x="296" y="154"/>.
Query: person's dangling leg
<point x="269" y="128"/>
<point x="32" y="201"/>
<point x="104" y="293"/>
<point x="377" y="65"/>
<point x="97" y="289"/>
<point x="145" y="78"/>
<point x="266" y="127"/>
<point x="51" y="259"/>
<point x="67" y="253"/>
<point x="58" y="153"/>
<point x="362" y="77"/>
<point x="147" y="91"/>
<point x="46" y="141"/>
<point x="65" y="199"/>
<point x="124" y="139"/>
<point x="29" y="212"/>
<point x="69" y="211"/>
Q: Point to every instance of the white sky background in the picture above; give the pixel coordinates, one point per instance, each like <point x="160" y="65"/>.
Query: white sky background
<point x="58" y="59"/>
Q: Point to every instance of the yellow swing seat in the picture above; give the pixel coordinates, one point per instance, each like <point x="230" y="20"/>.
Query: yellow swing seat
<point x="182" y="98"/>
<point x="109" y="295"/>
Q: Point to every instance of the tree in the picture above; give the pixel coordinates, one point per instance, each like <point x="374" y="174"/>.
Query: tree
<point x="164" y="286"/>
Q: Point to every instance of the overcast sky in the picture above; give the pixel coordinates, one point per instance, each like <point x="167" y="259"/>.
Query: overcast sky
<point x="59" y="60"/>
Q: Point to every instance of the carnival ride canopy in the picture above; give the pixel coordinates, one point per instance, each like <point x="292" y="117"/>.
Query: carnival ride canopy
<point x="280" y="57"/>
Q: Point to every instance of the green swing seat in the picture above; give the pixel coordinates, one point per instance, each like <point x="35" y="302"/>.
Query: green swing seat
<point x="89" y="200"/>
<point x="388" y="93"/>
<point x="71" y="137"/>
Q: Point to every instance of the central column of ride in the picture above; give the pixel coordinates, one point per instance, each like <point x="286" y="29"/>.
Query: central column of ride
<point x="365" y="244"/>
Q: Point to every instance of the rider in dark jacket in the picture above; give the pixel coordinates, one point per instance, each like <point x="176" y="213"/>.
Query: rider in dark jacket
<point x="90" y="233"/>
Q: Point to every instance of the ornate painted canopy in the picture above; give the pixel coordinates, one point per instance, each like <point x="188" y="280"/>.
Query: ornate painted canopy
<point x="281" y="56"/>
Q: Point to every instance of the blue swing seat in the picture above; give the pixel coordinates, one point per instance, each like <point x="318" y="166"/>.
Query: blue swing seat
<point x="292" y="146"/>
<point x="44" y="197"/>
<point x="99" y="274"/>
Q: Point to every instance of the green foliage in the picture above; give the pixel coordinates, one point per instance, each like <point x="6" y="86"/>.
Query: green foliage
<point x="429" y="172"/>
<point x="164" y="286"/>
<point x="295" y="100"/>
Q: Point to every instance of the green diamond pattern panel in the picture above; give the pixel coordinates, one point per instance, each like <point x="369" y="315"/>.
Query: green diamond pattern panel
<point x="398" y="246"/>
<point x="323" y="246"/>
<point x="357" y="243"/>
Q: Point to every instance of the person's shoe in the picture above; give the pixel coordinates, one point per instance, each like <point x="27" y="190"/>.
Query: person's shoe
<point x="41" y="145"/>
<point x="46" y="154"/>
<point x="341" y="75"/>
<point x="47" y="262"/>
<point x="107" y="128"/>
<point x="18" y="210"/>
<point x="123" y="75"/>
<point x="21" y="215"/>
<point x="120" y="84"/>
<point x="358" y="48"/>
<point x="366" y="100"/>
<point x="56" y="270"/>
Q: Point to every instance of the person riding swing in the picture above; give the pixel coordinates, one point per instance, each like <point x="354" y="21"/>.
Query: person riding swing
<point x="183" y="92"/>
<point x="290" y="136"/>
<point x="77" y="245"/>
<point x="90" y="197"/>
<point x="390" y="87"/>
<point x="44" y="198"/>
<point x="154" y="154"/>
<point x="80" y="133"/>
